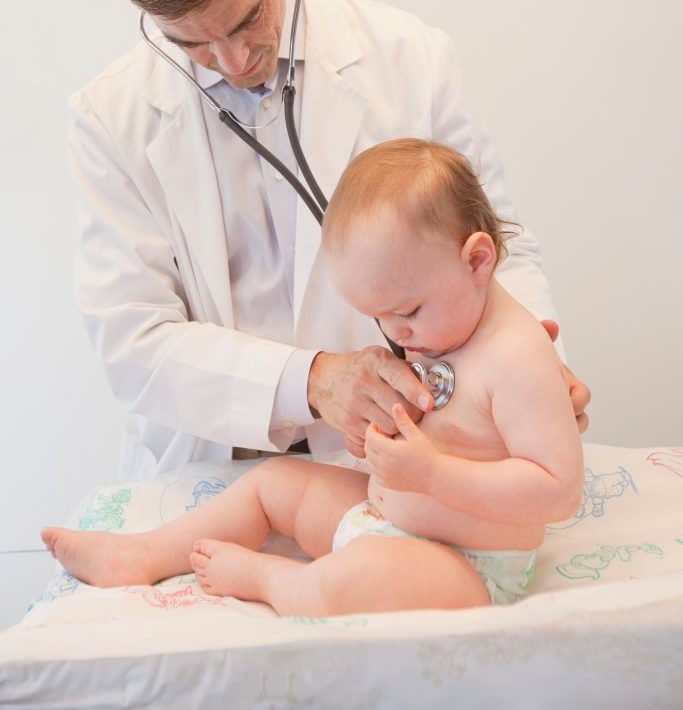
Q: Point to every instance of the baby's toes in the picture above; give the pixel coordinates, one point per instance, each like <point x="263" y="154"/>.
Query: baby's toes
<point x="49" y="535"/>
<point x="206" y="546"/>
<point x="204" y="584"/>
<point x="199" y="562"/>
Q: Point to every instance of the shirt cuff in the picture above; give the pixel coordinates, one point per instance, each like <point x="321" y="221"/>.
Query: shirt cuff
<point x="290" y="408"/>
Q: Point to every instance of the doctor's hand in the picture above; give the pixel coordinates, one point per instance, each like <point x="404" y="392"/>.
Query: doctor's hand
<point x="403" y="463"/>
<point x="350" y="390"/>
<point x="578" y="391"/>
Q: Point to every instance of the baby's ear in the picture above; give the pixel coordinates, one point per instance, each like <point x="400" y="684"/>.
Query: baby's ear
<point x="479" y="254"/>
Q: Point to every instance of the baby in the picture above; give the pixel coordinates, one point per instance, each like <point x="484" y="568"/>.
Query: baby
<point x="455" y="507"/>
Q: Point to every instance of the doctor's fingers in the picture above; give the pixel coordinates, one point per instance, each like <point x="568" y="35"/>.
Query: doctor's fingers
<point x="355" y="423"/>
<point x="385" y="397"/>
<point x="413" y="395"/>
<point x="355" y="446"/>
<point x="580" y="395"/>
<point x="582" y="421"/>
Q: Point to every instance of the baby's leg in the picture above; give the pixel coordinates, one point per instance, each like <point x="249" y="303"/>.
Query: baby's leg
<point x="294" y="497"/>
<point x="370" y="574"/>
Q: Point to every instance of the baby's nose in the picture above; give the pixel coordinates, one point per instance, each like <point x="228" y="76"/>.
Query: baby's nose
<point x="398" y="332"/>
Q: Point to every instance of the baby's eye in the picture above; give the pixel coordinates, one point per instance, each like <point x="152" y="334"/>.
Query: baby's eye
<point x="410" y="315"/>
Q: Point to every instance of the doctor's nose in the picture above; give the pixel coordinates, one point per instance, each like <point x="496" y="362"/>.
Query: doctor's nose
<point x="231" y="55"/>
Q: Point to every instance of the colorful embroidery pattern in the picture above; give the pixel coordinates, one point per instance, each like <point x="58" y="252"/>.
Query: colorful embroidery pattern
<point x="64" y="585"/>
<point x="352" y="623"/>
<point x="597" y="489"/>
<point x="107" y="512"/>
<point x="175" y="600"/>
<point x="671" y="459"/>
<point x="203" y="491"/>
<point x="590" y="565"/>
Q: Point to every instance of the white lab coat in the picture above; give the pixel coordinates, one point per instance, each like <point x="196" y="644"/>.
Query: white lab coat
<point x="192" y="385"/>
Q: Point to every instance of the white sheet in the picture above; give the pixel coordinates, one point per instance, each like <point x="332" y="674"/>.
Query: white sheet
<point x="604" y="624"/>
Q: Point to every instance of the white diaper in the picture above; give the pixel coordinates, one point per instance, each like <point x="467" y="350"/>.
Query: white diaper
<point x="505" y="573"/>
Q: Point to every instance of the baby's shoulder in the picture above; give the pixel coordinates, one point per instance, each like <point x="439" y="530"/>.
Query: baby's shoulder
<point x="519" y="343"/>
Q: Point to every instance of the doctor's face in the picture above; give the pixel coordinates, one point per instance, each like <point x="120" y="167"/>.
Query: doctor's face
<point x="239" y="39"/>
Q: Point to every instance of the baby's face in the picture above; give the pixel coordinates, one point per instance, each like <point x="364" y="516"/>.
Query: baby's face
<point x="421" y="289"/>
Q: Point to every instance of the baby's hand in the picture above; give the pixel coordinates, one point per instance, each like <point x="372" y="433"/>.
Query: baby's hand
<point x="402" y="463"/>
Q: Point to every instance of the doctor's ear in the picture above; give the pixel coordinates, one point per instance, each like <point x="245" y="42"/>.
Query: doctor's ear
<point x="478" y="253"/>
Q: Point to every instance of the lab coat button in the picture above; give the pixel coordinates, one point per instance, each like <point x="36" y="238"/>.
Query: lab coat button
<point x="266" y="103"/>
<point x="278" y="175"/>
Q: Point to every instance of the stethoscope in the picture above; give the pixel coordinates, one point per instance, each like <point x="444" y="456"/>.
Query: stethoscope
<point x="440" y="378"/>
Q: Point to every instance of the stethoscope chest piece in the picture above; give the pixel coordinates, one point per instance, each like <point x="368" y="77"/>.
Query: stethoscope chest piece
<point x="439" y="379"/>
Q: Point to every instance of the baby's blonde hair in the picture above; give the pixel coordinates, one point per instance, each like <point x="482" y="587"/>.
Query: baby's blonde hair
<point x="429" y="184"/>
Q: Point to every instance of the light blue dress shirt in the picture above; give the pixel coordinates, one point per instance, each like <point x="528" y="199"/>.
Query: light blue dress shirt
<point x="259" y="212"/>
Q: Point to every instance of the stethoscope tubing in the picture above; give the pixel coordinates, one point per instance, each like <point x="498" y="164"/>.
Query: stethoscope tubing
<point x="256" y="145"/>
<point x="314" y="200"/>
<point x="290" y="93"/>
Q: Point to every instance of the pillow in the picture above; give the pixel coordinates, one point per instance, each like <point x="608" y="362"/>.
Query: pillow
<point x="629" y="524"/>
<point x="170" y="645"/>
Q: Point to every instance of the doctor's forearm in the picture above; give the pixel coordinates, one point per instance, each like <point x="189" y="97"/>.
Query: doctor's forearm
<point x="198" y="378"/>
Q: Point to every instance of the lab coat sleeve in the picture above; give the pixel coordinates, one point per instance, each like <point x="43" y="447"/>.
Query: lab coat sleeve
<point x="196" y="377"/>
<point x="521" y="273"/>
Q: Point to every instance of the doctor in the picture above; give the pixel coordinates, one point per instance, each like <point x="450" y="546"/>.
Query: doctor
<point x="198" y="273"/>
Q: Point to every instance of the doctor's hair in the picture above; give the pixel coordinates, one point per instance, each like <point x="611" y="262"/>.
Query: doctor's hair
<point x="429" y="184"/>
<point x="170" y="9"/>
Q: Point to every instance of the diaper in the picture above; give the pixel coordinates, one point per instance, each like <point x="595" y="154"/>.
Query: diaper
<point x="505" y="573"/>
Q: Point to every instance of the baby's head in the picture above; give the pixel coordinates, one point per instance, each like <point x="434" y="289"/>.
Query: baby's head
<point x="412" y="240"/>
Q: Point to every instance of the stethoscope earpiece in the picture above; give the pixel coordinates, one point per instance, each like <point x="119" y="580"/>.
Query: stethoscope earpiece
<point x="439" y="379"/>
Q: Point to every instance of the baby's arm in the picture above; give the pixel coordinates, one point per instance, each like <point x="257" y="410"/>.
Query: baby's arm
<point x="541" y="481"/>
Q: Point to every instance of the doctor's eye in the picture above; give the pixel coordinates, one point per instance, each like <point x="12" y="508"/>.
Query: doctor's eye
<point x="258" y="14"/>
<point x="253" y="18"/>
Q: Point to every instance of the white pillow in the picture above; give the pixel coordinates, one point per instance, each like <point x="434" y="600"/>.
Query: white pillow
<point x="630" y="523"/>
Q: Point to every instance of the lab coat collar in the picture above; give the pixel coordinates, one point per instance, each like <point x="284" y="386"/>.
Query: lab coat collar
<point x="329" y="29"/>
<point x="332" y="110"/>
<point x="166" y="89"/>
<point x="320" y="23"/>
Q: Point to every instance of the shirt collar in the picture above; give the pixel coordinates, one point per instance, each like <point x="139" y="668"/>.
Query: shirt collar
<point x="208" y="78"/>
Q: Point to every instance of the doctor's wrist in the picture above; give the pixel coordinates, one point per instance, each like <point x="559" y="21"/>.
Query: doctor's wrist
<point x="317" y="391"/>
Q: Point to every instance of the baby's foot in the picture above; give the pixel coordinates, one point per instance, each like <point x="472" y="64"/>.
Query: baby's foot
<point x="226" y="569"/>
<point x="99" y="558"/>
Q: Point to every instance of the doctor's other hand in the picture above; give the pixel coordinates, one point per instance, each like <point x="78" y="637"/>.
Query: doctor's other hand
<point x="581" y="397"/>
<point x="578" y="391"/>
<point x="350" y="390"/>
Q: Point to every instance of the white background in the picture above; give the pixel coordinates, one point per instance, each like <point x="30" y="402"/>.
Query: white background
<point x="584" y="100"/>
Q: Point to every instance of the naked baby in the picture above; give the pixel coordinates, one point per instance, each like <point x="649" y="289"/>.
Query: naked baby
<point x="453" y="509"/>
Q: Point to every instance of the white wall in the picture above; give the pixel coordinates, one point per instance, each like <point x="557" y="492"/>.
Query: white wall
<point x="59" y="425"/>
<point x="584" y="101"/>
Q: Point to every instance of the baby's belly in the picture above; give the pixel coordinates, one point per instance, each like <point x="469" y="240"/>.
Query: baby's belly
<point x="421" y="515"/>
